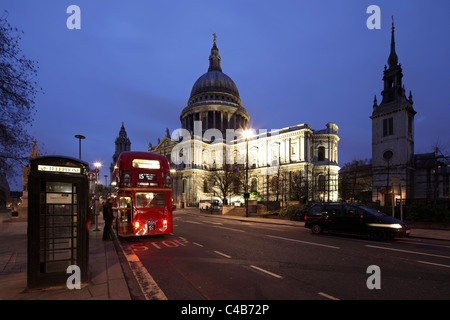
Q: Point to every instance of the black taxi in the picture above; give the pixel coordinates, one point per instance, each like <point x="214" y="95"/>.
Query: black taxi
<point x="354" y="219"/>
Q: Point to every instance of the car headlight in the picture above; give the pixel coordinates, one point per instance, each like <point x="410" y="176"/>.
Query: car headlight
<point x="396" y="226"/>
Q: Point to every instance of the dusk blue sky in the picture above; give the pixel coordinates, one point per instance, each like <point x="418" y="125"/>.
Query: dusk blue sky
<point x="293" y="62"/>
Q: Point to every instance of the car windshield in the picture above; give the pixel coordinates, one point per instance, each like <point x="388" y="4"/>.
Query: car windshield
<point x="315" y="209"/>
<point x="372" y="211"/>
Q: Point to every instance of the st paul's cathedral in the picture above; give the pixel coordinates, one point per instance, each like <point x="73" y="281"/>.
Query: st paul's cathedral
<point x="293" y="163"/>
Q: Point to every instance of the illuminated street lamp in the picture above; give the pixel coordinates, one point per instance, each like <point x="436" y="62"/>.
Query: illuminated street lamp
<point x="79" y="137"/>
<point x="97" y="166"/>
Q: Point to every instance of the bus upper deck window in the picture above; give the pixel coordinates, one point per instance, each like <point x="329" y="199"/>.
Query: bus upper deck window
<point x="146" y="164"/>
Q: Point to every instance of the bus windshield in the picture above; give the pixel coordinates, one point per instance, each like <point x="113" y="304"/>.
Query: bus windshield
<point x="150" y="199"/>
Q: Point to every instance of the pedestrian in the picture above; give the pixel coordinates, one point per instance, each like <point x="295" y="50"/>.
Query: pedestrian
<point x="108" y="217"/>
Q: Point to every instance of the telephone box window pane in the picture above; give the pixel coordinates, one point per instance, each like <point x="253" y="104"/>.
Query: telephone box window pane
<point x="65" y="187"/>
<point x="62" y="209"/>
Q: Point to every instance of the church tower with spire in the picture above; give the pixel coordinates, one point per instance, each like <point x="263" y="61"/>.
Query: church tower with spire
<point x="122" y="143"/>
<point x="392" y="133"/>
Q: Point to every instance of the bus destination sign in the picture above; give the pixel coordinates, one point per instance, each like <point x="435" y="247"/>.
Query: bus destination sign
<point x="147" y="176"/>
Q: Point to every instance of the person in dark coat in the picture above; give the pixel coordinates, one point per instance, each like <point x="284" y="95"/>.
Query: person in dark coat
<point x="108" y="217"/>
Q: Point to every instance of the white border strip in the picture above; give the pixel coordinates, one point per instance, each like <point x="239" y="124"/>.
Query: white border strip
<point x="148" y="285"/>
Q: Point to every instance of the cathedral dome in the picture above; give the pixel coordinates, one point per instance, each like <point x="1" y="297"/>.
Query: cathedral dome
<point x="214" y="87"/>
<point x="214" y="100"/>
<point x="215" y="81"/>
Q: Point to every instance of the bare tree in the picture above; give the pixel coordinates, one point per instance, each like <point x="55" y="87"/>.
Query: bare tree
<point x="355" y="180"/>
<point x="225" y="179"/>
<point x="18" y="90"/>
<point x="275" y="185"/>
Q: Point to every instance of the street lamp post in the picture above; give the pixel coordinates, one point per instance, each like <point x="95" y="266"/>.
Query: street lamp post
<point x="97" y="166"/>
<point x="79" y="137"/>
<point x="174" y="189"/>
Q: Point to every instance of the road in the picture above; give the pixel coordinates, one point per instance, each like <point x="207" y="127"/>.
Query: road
<point x="211" y="258"/>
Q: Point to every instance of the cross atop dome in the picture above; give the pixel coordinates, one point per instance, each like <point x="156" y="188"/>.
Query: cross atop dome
<point x="214" y="58"/>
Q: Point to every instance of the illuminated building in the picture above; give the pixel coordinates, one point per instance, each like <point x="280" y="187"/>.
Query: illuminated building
<point x="292" y="163"/>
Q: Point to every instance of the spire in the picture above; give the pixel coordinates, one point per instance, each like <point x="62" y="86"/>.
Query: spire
<point x="122" y="132"/>
<point x="214" y="58"/>
<point x="34" y="153"/>
<point x="393" y="58"/>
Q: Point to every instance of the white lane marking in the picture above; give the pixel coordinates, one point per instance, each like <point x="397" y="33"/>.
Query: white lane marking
<point x="237" y="230"/>
<point x="305" y="242"/>
<point x="215" y="223"/>
<point x="434" y="264"/>
<point x="223" y="254"/>
<point x="194" y="222"/>
<point x="327" y="296"/>
<point x="198" y="244"/>
<point x="408" y="251"/>
<point x="267" y="272"/>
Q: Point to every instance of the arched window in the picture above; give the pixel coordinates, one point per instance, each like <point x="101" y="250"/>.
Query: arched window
<point x="254" y="185"/>
<point x="205" y="186"/>
<point x="321" y="183"/>
<point x="321" y="154"/>
<point x="253" y="157"/>
<point x="321" y="188"/>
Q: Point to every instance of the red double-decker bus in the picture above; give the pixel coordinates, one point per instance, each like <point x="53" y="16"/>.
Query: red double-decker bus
<point x="142" y="196"/>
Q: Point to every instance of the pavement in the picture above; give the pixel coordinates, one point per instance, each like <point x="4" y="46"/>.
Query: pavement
<point x="107" y="280"/>
<point x="111" y="277"/>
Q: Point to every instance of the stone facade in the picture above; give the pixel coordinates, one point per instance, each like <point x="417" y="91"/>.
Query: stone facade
<point x="293" y="163"/>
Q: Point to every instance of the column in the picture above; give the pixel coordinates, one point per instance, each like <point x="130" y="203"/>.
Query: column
<point x="301" y="147"/>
